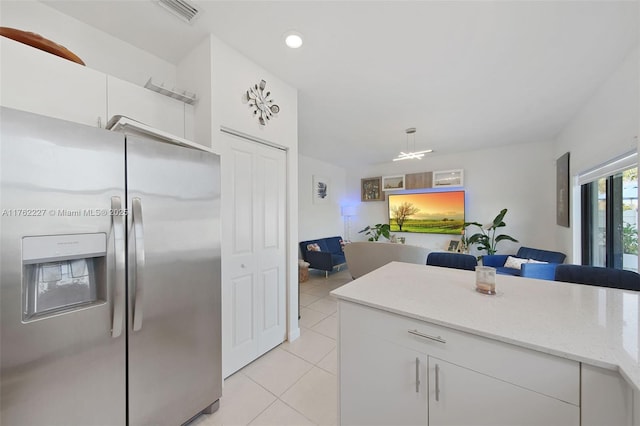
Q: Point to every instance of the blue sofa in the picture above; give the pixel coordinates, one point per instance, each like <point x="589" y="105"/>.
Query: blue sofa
<point x="598" y="276"/>
<point x="330" y="255"/>
<point x="544" y="271"/>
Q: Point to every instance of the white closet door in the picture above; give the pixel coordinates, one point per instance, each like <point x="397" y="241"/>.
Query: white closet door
<point x="254" y="252"/>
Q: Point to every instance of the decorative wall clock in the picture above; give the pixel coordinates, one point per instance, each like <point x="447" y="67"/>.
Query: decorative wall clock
<point x="261" y="103"/>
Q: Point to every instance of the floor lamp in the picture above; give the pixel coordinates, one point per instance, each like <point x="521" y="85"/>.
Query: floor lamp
<point x="347" y="212"/>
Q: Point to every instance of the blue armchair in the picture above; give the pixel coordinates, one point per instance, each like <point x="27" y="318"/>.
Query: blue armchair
<point x="544" y="271"/>
<point x="452" y="260"/>
<point x="330" y="255"/>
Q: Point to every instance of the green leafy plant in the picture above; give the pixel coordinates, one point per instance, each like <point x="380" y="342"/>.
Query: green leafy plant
<point x="376" y="231"/>
<point x="629" y="239"/>
<point x="464" y="242"/>
<point x="486" y="239"/>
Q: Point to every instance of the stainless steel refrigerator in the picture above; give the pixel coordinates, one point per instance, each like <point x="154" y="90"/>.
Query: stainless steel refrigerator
<point x="110" y="276"/>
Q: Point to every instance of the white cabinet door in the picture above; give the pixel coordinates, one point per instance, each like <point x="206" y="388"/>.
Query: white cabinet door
<point x="143" y="105"/>
<point x="381" y="383"/>
<point x="459" y="396"/>
<point x="606" y="398"/>
<point x="254" y="252"/>
<point x="636" y="407"/>
<point x="39" y="82"/>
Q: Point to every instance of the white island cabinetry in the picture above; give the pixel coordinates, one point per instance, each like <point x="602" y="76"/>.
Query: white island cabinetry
<point x="417" y="345"/>
<point x="381" y="381"/>
<point x="466" y="397"/>
<point x="389" y="375"/>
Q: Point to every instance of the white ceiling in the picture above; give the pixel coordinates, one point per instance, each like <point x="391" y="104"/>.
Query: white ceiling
<point x="466" y="74"/>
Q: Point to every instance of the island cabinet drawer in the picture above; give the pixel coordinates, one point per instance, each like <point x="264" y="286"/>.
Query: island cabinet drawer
<point x="543" y="373"/>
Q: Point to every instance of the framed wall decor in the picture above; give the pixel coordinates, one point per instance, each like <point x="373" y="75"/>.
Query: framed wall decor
<point x="392" y="183"/>
<point x="454" y="245"/>
<point x="448" y="178"/>
<point x="320" y="190"/>
<point x="562" y="190"/>
<point x="371" y="189"/>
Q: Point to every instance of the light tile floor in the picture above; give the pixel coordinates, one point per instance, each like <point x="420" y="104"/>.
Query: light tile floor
<point x="295" y="383"/>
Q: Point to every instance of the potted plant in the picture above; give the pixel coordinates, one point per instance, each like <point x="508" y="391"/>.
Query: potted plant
<point x="486" y="239"/>
<point x="376" y="231"/>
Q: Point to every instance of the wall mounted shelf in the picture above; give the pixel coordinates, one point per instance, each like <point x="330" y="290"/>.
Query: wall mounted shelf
<point x="184" y="96"/>
<point x="418" y="180"/>
<point x="448" y="178"/>
<point x="392" y="183"/>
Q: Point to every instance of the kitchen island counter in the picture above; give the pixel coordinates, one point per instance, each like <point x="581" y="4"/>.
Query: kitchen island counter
<point x="592" y="325"/>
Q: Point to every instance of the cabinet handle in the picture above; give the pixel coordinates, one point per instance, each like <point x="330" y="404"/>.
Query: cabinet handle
<point x="417" y="375"/>
<point x="437" y="382"/>
<point x="426" y="336"/>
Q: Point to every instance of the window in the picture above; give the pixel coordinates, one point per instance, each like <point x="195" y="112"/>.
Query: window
<point x="610" y="216"/>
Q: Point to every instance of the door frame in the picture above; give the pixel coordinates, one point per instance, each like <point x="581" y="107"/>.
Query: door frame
<point x="291" y="224"/>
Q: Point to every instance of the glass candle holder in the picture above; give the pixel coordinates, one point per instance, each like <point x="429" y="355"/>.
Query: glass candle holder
<point x="486" y="279"/>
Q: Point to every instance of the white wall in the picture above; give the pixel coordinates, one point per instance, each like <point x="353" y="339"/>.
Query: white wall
<point x="233" y="74"/>
<point x="220" y="91"/>
<point x="96" y="48"/>
<point x="520" y="178"/>
<point x="325" y="219"/>
<point x="194" y="75"/>
<point x="604" y="128"/>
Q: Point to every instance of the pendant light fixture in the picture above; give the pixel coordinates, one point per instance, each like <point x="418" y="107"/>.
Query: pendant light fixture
<point x="411" y="153"/>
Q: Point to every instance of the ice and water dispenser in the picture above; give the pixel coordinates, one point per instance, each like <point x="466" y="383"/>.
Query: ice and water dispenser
<point x="62" y="273"/>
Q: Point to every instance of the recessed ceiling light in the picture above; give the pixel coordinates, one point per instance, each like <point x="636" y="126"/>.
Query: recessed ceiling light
<point x="293" y="39"/>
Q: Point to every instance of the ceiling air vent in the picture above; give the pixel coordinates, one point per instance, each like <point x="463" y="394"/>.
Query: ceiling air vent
<point x="181" y="8"/>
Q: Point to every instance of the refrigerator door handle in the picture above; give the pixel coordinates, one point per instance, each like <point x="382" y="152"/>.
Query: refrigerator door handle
<point x="117" y="221"/>
<point x="138" y="231"/>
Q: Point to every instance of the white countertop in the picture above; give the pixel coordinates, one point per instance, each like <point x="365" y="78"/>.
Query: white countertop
<point x="593" y="325"/>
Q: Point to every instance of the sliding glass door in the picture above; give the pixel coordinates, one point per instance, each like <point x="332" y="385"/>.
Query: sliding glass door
<point x="610" y="221"/>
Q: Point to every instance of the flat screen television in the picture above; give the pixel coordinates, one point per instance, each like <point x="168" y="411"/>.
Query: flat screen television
<point x="427" y="212"/>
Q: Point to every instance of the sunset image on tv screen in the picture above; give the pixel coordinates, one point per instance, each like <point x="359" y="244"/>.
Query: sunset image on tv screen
<point x="433" y="212"/>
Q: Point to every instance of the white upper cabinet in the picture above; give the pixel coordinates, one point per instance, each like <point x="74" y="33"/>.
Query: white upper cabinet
<point x="145" y="106"/>
<point x="39" y="82"/>
<point x="190" y="123"/>
<point x="42" y="83"/>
